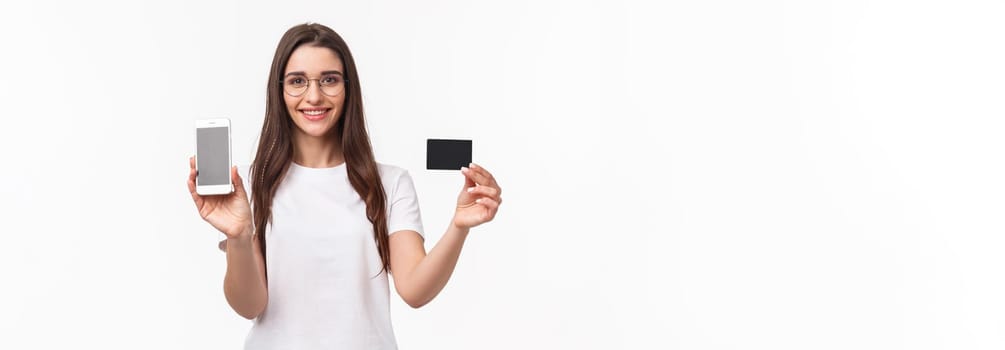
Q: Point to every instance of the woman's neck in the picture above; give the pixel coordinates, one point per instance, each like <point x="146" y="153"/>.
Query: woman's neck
<point x="317" y="152"/>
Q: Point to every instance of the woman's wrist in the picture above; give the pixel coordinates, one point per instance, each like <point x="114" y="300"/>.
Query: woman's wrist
<point x="459" y="229"/>
<point x="246" y="234"/>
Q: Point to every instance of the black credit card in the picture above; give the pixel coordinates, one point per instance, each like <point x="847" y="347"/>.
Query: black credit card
<point x="447" y="154"/>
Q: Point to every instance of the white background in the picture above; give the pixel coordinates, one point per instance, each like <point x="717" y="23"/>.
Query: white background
<point x="678" y="175"/>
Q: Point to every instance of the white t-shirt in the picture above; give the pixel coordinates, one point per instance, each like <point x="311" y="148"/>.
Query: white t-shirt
<point x="322" y="262"/>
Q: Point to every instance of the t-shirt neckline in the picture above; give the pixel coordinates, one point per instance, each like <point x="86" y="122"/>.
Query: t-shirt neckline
<point x="310" y="169"/>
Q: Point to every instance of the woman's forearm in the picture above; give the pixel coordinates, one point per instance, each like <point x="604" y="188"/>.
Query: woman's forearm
<point x="434" y="270"/>
<point x="244" y="284"/>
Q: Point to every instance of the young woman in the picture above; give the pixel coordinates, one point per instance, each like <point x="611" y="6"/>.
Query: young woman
<point x="309" y="257"/>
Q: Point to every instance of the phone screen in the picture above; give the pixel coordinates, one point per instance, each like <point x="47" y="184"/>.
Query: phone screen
<point x="212" y="155"/>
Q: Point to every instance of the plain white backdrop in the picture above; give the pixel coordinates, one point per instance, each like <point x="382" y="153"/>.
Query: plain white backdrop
<point x="677" y="174"/>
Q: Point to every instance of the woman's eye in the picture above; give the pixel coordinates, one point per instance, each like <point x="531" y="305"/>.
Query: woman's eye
<point x="331" y="80"/>
<point x="295" y="81"/>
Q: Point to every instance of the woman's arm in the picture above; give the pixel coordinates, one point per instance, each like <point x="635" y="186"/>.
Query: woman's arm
<point x="419" y="277"/>
<point x="244" y="284"/>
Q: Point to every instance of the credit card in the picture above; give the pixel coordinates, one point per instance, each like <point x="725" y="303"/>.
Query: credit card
<point x="443" y="154"/>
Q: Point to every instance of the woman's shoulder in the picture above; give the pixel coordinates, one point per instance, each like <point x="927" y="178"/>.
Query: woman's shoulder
<point x="396" y="180"/>
<point x="391" y="172"/>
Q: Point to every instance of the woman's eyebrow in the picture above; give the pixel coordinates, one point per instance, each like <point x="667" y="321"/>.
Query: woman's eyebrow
<point x="322" y="73"/>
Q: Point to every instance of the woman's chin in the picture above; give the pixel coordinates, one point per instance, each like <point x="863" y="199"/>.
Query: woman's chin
<point x="316" y="130"/>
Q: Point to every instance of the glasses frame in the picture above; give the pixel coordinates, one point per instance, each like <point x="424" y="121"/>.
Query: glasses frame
<point x="282" y="83"/>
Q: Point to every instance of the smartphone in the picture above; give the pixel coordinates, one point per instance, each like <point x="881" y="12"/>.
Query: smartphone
<point x="212" y="157"/>
<point x="443" y="154"/>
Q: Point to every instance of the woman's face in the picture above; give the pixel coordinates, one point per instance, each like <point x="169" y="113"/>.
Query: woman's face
<point x="316" y="109"/>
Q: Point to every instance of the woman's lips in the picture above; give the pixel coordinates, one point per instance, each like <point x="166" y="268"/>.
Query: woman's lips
<point x="314" y="114"/>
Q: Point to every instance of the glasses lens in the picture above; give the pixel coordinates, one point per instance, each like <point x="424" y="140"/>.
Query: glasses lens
<point x="295" y="85"/>
<point x="332" y="84"/>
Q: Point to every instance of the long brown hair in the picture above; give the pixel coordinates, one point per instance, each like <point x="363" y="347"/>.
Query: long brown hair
<point x="275" y="146"/>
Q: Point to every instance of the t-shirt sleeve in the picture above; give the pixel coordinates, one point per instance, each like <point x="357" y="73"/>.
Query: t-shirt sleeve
<point x="403" y="213"/>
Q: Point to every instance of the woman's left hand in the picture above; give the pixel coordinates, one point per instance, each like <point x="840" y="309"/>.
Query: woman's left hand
<point x="479" y="199"/>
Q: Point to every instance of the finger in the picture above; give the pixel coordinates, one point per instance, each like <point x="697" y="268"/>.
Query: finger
<point x="467" y="179"/>
<point x="195" y="196"/>
<point x="485" y="172"/>
<point x="475" y="176"/>
<point x="192" y="171"/>
<point x="191" y="184"/>
<point x="191" y="180"/>
<point x="492" y="206"/>
<point x="488" y="203"/>
<point x="486" y="191"/>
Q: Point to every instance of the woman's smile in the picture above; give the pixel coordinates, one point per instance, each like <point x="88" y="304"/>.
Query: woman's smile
<point x="314" y="114"/>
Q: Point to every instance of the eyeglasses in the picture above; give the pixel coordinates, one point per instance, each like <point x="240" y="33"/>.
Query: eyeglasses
<point x="331" y="84"/>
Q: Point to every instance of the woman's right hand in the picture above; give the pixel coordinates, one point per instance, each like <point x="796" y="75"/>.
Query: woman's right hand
<point x="231" y="213"/>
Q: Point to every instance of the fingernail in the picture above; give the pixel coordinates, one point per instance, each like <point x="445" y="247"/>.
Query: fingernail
<point x="479" y="200"/>
<point x="464" y="169"/>
<point x="471" y="189"/>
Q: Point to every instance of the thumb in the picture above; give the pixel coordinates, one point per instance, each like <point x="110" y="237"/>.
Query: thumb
<point x="468" y="182"/>
<point x="238" y="183"/>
